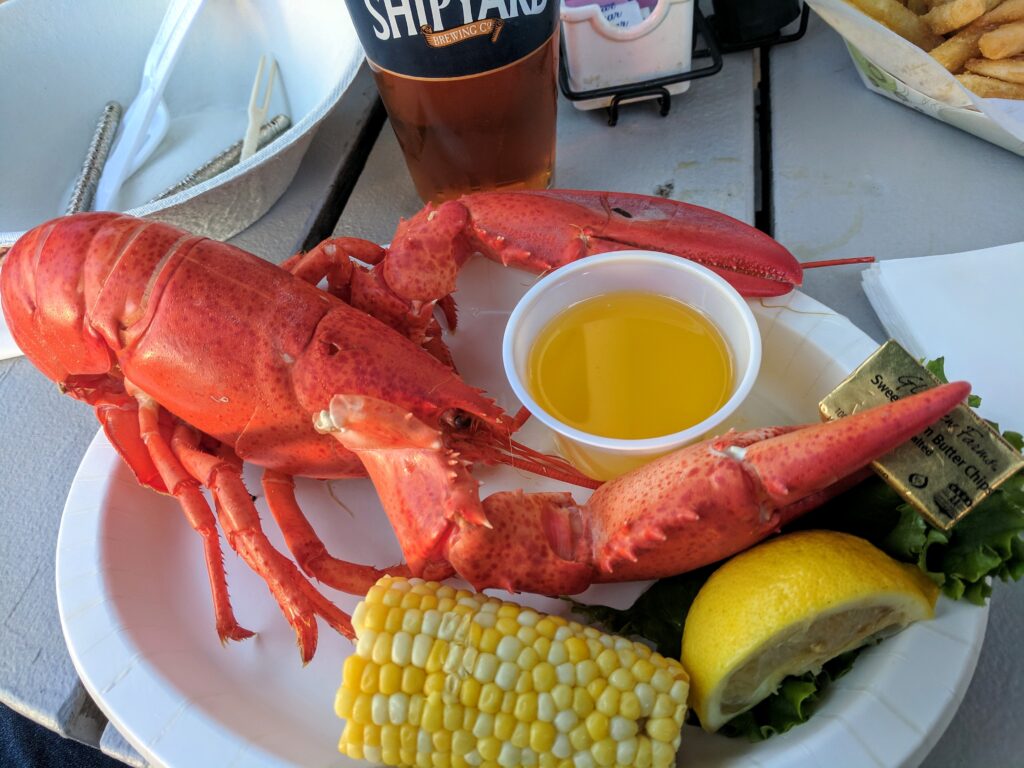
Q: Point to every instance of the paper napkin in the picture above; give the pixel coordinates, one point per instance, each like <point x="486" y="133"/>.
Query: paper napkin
<point x="965" y="307"/>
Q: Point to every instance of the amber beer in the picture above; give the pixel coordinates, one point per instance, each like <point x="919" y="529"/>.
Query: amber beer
<point x="469" y="86"/>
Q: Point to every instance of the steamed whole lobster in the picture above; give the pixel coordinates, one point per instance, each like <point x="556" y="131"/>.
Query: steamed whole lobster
<point x="196" y="356"/>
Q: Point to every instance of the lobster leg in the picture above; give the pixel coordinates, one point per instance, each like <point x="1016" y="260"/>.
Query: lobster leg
<point x="307" y="548"/>
<point x="366" y="291"/>
<point x="297" y="598"/>
<point x="185" y="490"/>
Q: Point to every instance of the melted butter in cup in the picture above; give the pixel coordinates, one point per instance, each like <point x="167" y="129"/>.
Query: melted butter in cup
<point x="629" y="272"/>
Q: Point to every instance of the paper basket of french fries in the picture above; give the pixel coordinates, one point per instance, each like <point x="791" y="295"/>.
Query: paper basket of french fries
<point x="959" y="61"/>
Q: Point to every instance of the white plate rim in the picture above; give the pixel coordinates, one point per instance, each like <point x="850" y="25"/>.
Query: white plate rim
<point x="93" y="622"/>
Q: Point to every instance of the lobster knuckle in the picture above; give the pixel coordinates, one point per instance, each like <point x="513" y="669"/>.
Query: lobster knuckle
<point x="537" y="543"/>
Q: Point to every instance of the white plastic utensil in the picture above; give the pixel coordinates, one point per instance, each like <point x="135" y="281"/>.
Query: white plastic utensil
<point x="258" y="113"/>
<point x="146" y="119"/>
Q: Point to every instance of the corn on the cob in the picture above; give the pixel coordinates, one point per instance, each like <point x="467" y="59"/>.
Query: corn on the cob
<point x="442" y="677"/>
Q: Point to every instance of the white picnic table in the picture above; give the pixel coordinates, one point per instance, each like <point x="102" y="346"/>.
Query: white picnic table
<point x="828" y="168"/>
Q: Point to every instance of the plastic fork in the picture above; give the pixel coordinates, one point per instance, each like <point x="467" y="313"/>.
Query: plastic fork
<point x="146" y="119"/>
<point x="258" y="112"/>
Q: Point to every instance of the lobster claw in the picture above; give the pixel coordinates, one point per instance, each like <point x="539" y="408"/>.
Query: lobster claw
<point x="711" y="500"/>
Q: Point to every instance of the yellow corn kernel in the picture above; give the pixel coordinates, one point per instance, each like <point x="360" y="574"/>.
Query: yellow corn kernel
<point x="597" y="725"/>
<point x="417" y="703"/>
<point x="662" y="753"/>
<point x="507" y="626"/>
<point x="433" y="714"/>
<point x="622" y="679"/>
<point x="604" y="752"/>
<point x="393" y="623"/>
<point x="608" y="701"/>
<point x="544" y="677"/>
<point x="542" y="737"/>
<point x="442" y="741"/>
<point x="607" y="661"/>
<point x="462" y="742"/>
<point x="371" y="736"/>
<point x="390" y="738"/>
<point x="390" y="679"/>
<point x="643" y="670"/>
<point x="413" y="680"/>
<point x="526" y="707"/>
<point x="441" y="760"/>
<point x="362" y="710"/>
<point x="596" y="687"/>
<point x="428" y="603"/>
<point x="546" y="627"/>
<point x="586" y="672"/>
<point x="508" y="702"/>
<point x="542" y="645"/>
<point x="629" y="705"/>
<point x="579" y="737"/>
<point x="434" y="683"/>
<point x="490" y="698"/>
<point x="521" y="735"/>
<point x="370" y="678"/>
<point x="437" y="656"/>
<point x="562" y="696"/>
<point x="454" y="714"/>
<point x="352" y="672"/>
<point x="469" y="692"/>
<point x="489" y="641"/>
<point x="489" y="748"/>
<point x="663" y="729"/>
<point x="576" y="647"/>
<point x="345" y="701"/>
<point x="644" y="756"/>
<point x="504" y="725"/>
<point x="582" y="702"/>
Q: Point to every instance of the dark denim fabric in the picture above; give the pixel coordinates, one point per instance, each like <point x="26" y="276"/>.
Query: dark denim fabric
<point x="23" y="744"/>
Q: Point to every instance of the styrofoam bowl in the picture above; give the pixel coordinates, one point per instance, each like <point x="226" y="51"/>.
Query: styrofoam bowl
<point x="604" y="458"/>
<point x="61" y="62"/>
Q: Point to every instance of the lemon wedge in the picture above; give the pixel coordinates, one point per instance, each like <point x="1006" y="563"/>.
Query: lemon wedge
<point x="787" y="606"/>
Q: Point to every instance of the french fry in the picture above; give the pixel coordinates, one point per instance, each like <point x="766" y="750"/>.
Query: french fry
<point x="900" y="20"/>
<point x="953" y="15"/>
<point x="962" y="46"/>
<point x="1010" y="70"/>
<point x="1007" y="40"/>
<point x="990" y="88"/>
<point x="1009" y="10"/>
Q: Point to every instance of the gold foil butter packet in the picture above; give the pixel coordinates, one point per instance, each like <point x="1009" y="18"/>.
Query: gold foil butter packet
<point x="949" y="467"/>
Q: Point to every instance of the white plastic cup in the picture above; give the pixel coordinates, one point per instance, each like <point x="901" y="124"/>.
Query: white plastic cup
<point x="677" y="278"/>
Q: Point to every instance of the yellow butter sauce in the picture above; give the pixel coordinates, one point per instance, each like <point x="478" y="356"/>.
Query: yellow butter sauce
<point x="630" y="365"/>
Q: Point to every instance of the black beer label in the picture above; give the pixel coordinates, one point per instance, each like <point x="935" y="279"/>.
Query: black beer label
<point x="451" y="38"/>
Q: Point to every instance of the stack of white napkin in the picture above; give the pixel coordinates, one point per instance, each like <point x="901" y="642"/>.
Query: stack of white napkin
<point x="967" y="308"/>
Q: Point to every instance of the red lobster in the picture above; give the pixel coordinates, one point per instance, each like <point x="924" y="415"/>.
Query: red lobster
<point x="196" y="355"/>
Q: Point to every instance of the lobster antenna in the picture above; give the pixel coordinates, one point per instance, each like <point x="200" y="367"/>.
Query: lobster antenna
<point x="837" y="262"/>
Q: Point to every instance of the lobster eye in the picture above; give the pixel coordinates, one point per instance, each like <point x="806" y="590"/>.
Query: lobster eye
<point x="458" y="420"/>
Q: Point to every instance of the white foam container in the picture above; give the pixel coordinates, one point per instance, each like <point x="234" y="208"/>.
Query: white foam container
<point x="62" y="60"/>
<point x="601" y="55"/>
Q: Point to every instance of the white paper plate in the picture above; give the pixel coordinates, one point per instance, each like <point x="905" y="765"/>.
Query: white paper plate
<point x="60" y="62"/>
<point x="135" y="607"/>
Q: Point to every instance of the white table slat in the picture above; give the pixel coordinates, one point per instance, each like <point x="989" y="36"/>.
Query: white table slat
<point x="856" y="174"/>
<point x="701" y="152"/>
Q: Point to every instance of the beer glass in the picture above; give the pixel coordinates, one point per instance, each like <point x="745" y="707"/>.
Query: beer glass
<point x="469" y="86"/>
